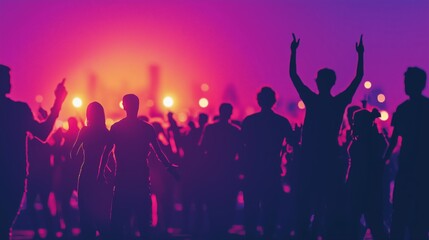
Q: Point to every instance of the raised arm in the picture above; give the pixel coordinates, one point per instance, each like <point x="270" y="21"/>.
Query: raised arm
<point x="296" y="80"/>
<point x="42" y="130"/>
<point x="351" y="89"/>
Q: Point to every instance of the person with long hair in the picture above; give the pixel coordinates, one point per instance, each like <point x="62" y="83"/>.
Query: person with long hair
<point x="92" y="139"/>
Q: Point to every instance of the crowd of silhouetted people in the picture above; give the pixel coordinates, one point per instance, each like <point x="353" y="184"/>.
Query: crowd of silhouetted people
<point x="296" y="181"/>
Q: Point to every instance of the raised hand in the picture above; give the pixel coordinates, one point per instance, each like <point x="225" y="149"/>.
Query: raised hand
<point x="60" y="91"/>
<point x="359" y="46"/>
<point x="294" y="45"/>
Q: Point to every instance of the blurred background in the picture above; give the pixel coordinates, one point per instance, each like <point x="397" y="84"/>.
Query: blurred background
<point x="189" y="56"/>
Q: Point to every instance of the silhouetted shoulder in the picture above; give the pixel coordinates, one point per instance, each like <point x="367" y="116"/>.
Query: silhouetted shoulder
<point x="250" y="118"/>
<point x="21" y="112"/>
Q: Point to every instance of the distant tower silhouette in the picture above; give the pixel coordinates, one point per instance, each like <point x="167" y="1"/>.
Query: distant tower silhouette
<point x="153" y="92"/>
<point x="92" y="86"/>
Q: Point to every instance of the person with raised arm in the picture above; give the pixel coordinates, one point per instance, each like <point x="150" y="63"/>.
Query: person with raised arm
<point x="322" y="175"/>
<point x="15" y="121"/>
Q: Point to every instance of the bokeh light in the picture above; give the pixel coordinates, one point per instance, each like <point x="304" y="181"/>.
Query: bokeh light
<point x="367" y="84"/>
<point x="381" y="98"/>
<point x="384" y="115"/>
<point x="150" y="103"/>
<point x="65" y="125"/>
<point x="39" y="98"/>
<point x="301" y="105"/>
<point x="203" y="102"/>
<point x="182" y="117"/>
<point x="121" y="104"/>
<point x="168" y="102"/>
<point x="205" y="87"/>
<point x="77" y="102"/>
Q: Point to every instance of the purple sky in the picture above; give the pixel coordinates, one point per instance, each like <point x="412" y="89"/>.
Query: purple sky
<point x="240" y="43"/>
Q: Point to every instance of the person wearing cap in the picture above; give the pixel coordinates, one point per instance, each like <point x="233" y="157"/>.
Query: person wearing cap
<point x="15" y="121"/>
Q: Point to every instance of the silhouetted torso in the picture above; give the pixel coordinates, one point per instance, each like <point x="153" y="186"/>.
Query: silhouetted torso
<point x="94" y="141"/>
<point x="411" y="121"/>
<point x="367" y="160"/>
<point x="132" y="145"/>
<point x="221" y="142"/>
<point x="264" y="133"/>
<point x="16" y="120"/>
<point x="322" y="122"/>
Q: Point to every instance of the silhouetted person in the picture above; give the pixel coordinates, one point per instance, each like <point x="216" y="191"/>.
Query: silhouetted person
<point x="17" y="119"/>
<point x="132" y="139"/>
<point x="221" y="143"/>
<point x="322" y="173"/>
<point x="39" y="181"/>
<point x="365" y="182"/>
<point x="92" y="140"/>
<point x="193" y="171"/>
<point x="263" y="135"/>
<point x="411" y="194"/>
<point x="69" y="174"/>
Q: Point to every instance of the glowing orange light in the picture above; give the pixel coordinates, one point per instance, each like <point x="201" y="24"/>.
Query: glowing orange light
<point x="384" y="115"/>
<point x="301" y="104"/>
<point x="168" y="101"/>
<point x="182" y="117"/>
<point x="39" y="98"/>
<point x="121" y="104"/>
<point x="204" y="102"/>
<point x="77" y="102"/>
<point x="381" y="98"/>
<point x="149" y="103"/>
<point x="65" y="125"/>
<point x="367" y="84"/>
<point x="205" y="87"/>
<point x="109" y="122"/>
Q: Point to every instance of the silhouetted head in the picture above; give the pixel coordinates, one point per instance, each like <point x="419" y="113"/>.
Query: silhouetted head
<point x="171" y="120"/>
<point x="4" y="80"/>
<point x="191" y="125"/>
<point x="131" y="105"/>
<point x="73" y="123"/>
<point x="325" y="80"/>
<point x="266" y="98"/>
<point x="203" y="119"/>
<point x="415" y="81"/>
<point x="225" y="111"/>
<point x="363" y="121"/>
<point x="95" y="115"/>
<point x="350" y="111"/>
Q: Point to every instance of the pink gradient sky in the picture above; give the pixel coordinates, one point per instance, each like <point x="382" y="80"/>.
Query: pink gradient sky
<point x="244" y="43"/>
